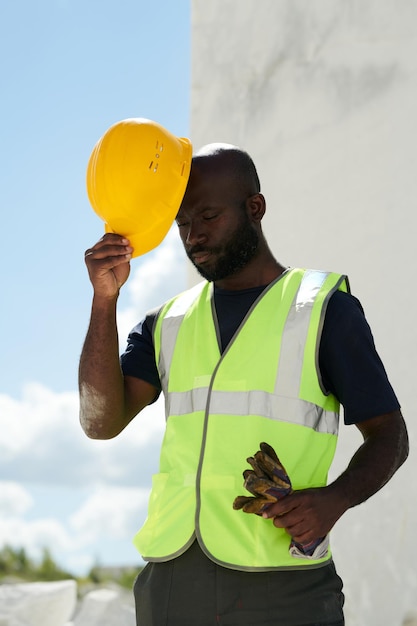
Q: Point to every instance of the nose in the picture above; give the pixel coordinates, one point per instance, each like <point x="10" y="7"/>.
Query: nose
<point x="195" y="233"/>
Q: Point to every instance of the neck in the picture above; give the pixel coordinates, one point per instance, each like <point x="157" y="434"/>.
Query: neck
<point x="261" y="271"/>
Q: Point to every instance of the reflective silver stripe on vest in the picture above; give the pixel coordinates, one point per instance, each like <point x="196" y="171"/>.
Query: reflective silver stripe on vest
<point x="169" y="331"/>
<point x="260" y="403"/>
<point x="295" y="332"/>
<point x="311" y="284"/>
<point x="283" y="404"/>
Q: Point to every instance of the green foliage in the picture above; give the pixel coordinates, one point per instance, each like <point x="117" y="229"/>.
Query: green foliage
<point x="95" y="575"/>
<point x="49" y="570"/>
<point x="123" y="576"/>
<point x="128" y="577"/>
<point x="16" y="564"/>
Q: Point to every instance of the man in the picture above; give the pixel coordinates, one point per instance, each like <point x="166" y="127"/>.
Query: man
<point x="257" y="352"/>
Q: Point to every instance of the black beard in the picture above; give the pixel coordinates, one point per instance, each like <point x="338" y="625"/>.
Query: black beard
<point x="239" y="251"/>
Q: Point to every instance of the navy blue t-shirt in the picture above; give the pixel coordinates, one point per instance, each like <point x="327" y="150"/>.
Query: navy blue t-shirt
<point x="349" y="364"/>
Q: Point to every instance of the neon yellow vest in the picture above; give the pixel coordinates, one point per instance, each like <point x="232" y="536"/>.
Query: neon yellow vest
<point x="219" y="407"/>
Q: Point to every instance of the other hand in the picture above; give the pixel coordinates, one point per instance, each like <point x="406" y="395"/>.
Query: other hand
<point x="307" y="514"/>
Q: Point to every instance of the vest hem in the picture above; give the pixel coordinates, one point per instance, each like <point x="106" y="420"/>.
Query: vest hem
<point x="267" y="568"/>
<point x="173" y="555"/>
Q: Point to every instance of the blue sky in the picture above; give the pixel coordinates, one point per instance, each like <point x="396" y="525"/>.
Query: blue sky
<point x="69" y="70"/>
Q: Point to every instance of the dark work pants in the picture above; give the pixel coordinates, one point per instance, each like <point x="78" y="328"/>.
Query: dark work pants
<point x="191" y="590"/>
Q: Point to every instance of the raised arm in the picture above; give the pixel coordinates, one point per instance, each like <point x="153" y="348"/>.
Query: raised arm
<point x="108" y="401"/>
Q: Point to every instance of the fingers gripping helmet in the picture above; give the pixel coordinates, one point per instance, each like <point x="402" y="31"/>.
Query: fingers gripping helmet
<point x="136" y="179"/>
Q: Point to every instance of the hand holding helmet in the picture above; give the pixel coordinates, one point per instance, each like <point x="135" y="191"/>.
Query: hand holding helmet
<point x="108" y="265"/>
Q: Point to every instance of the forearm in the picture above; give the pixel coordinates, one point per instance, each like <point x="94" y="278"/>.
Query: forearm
<point x="311" y="513"/>
<point x="384" y="450"/>
<point x="101" y="385"/>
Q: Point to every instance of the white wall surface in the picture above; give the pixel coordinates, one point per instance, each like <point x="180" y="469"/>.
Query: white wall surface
<point x="323" y="95"/>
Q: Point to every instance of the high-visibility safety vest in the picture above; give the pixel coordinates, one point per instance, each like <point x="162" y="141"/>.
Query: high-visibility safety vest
<point x="265" y="386"/>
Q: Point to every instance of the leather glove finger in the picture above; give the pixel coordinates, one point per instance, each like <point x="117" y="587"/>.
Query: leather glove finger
<point x="267" y="481"/>
<point x="256" y="467"/>
<point x="269" y="450"/>
<point x="268" y="462"/>
<point x="250" y="504"/>
<point x="260" y="486"/>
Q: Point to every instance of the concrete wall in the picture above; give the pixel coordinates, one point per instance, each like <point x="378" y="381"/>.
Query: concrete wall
<point x="323" y="95"/>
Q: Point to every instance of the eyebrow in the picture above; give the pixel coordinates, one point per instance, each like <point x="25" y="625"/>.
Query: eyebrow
<point x="200" y="211"/>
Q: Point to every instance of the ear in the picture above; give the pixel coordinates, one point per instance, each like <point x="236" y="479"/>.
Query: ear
<point x="256" y="206"/>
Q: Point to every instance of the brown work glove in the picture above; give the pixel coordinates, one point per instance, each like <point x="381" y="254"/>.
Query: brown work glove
<point x="269" y="482"/>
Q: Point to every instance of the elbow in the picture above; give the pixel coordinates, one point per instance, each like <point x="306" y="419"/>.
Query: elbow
<point x="405" y="446"/>
<point x="403" y="443"/>
<point x="95" y="428"/>
<point x="95" y="423"/>
<point x="92" y="427"/>
<point x="96" y="417"/>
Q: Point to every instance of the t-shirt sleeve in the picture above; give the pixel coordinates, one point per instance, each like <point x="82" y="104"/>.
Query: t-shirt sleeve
<point x="349" y="364"/>
<point x="138" y="359"/>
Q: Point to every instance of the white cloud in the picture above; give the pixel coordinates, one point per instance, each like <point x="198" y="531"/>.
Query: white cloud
<point x="27" y="421"/>
<point x="46" y="445"/>
<point x="33" y="534"/>
<point x="100" y="528"/>
<point x="14" y="500"/>
<point x="114" y="511"/>
<point x="45" y="449"/>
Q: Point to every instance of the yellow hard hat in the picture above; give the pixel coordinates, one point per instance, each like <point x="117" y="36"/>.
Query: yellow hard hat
<point x="136" y="179"/>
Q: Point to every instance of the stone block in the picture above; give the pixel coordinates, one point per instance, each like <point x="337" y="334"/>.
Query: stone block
<point x="37" y="604"/>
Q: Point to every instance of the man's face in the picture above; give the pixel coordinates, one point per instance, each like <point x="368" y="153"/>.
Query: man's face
<point x="218" y="235"/>
<point x="230" y="255"/>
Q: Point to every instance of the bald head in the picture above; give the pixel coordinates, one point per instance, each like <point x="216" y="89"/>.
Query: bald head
<point x="232" y="161"/>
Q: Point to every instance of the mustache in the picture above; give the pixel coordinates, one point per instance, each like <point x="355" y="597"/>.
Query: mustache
<point x="198" y="250"/>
